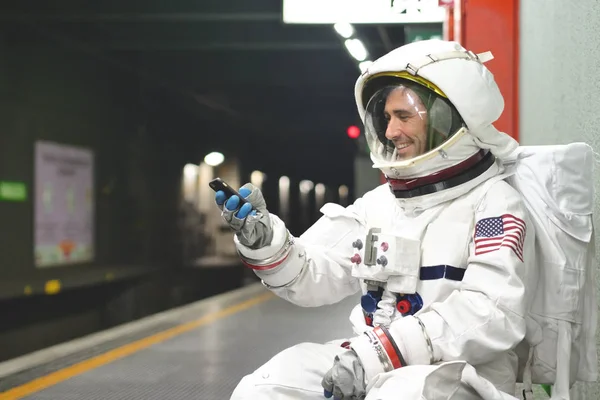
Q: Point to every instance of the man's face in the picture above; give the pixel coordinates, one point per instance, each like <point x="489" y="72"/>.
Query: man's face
<point x="406" y="123"/>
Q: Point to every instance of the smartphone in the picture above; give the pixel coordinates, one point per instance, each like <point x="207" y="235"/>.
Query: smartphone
<point x="219" y="184"/>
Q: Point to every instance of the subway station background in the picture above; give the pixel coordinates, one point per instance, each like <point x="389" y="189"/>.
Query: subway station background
<point x="115" y="115"/>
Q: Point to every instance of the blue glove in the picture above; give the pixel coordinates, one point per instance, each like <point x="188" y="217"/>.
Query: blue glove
<point x="250" y="222"/>
<point x="233" y="203"/>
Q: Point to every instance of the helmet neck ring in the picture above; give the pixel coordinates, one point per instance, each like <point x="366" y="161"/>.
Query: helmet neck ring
<point x="447" y="178"/>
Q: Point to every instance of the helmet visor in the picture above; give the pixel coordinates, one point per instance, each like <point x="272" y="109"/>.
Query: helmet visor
<point x="405" y="120"/>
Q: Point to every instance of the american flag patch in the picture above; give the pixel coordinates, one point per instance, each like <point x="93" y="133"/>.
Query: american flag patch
<point x="493" y="233"/>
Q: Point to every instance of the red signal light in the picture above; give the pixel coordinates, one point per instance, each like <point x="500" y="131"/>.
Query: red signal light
<point x="353" y="132"/>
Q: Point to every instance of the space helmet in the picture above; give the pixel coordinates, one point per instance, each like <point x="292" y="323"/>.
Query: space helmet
<point x="428" y="109"/>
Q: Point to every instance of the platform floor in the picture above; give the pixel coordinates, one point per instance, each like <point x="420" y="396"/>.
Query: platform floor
<point x="199" y="351"/>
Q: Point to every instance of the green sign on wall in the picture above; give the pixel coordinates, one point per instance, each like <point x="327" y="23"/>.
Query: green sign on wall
<point x="13" y="191"/>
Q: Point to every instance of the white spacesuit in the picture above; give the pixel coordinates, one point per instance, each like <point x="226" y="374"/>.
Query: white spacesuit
<point x="440" y="251"/>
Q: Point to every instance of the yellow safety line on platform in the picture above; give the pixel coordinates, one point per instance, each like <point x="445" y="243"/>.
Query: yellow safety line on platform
<point x="126" y="350"/>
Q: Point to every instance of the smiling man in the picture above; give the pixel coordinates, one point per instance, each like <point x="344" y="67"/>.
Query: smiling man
<point x="407" y="116"/>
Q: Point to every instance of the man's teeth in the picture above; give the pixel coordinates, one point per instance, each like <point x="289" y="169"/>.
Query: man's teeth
<point x="401" y="146"/>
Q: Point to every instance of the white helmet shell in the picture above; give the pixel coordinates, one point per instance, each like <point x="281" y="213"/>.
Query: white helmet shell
<point x="470" y="87"/>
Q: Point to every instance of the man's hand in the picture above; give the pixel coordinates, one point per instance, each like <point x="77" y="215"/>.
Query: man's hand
<point x="250" y="222"/>
<point x="346" y="379"/>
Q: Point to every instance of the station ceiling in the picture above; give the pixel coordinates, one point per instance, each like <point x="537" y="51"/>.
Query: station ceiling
<point x="228" y="63"/>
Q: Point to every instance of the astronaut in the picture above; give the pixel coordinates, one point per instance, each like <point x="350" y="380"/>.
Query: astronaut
<point x="439" y="252"/>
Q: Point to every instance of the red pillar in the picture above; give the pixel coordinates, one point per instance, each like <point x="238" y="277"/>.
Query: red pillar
<point x="481" y="25"/>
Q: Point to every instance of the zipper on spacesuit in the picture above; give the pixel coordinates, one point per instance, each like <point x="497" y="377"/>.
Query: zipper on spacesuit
<point x="406" y="304"/>
<point x="370" y="300"/>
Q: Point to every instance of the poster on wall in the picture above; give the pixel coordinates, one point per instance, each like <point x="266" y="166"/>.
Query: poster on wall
<point x="64" y="204"/>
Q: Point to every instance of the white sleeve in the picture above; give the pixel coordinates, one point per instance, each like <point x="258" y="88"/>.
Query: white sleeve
<point x="485" y="316"/>
<point x="314" y="269"/>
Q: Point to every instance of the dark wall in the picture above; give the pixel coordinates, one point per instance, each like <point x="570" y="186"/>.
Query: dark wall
<point x="142" y="131"/>
<point x="51" y="92"/>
